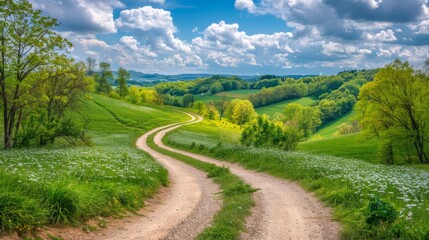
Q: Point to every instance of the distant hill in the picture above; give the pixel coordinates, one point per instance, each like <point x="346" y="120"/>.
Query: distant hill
<point x="145" y="79"/>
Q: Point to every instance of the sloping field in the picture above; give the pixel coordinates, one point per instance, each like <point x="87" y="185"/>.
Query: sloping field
<point x="280" y="106"/>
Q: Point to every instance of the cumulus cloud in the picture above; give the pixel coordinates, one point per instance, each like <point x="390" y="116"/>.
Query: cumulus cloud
<point x="94" y="16"/>
<point x="226" y="45"/>
<point x="153" y="27"/>
<point x="382" y="36"/>
<point x="245" y="5"/>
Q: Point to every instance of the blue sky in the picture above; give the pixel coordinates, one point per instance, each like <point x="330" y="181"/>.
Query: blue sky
<point x="244" y="37"/>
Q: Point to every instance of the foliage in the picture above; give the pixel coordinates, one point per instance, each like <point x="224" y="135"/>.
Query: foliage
<point x="188" y="100"/>
<point x="393" y="108"/>
<point x="27" y="41"/>
<point x="210" y="85"/>
<point x="102" y="78"/>
<point x="221" y="106"/>
<point x="266" y="83"/>
<point x="348" y="128"/>
<point x="306" y="118"/>
<point x="62" y="84"/>
<point x="90" y="64"/>
<point x="122" y="78"/>
<point x="242" y="112"/>
<point x="264" y="133"/>
<point x="380" y="212"/>
<point x="279" y="93"/>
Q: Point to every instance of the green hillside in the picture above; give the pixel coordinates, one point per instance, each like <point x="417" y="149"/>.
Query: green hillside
<point x="230" y="95"/>
<point x="67" y="185"/>
<point x="279" y="107"/>
<point x="330" y="128"/>
<point x="348" y="146"/>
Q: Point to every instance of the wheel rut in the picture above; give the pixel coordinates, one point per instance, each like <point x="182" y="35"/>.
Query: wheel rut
<point x="283" y="209"/>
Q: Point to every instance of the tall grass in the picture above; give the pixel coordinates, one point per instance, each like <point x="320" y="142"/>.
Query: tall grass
<point x="67" y="185"/>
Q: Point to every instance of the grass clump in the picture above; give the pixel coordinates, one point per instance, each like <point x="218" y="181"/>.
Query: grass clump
<point x="237" y="197"/>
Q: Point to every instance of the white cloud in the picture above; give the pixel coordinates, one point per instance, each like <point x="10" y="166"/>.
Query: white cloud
<point x="153" y="27"/>
<point x="338" y="49"/>
<point x="382" y="36"/>
<point x="373" y="3"/>
<point x="420" y="28"/>
<point x="226" y="45"/>
<point x="245" y="5"/>
<point x="82" y="15"/>
<point x="130" y="42"/>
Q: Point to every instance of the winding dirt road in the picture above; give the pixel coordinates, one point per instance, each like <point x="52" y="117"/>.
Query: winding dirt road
<point x="189" y="207"/>
<point x="181" y="211"/>
<point x="284" y="210"/>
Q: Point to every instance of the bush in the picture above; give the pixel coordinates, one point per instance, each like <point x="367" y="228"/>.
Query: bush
<point x="379" y="211"/>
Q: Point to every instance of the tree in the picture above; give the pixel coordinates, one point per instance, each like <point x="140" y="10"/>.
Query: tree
<point x="200" y="107"/>
<point x="188" y="100"/>
<point x="307" y="118"/>
<point x="135" y="95"/>
<point x="102" y="78"/>
<point x="123" y="77"/>
<point x="221" y="106"/>
<point x="27" y="42"/>
<point x="394" y="108"/>
<point x="242" y="112"/>
<point x="62" y="83"/>
<point x="266" y="133"/>
<point x="215" y="88"/>
<point x="90" y="65"/>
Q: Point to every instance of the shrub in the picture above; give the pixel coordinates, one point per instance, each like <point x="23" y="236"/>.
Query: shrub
<point x="379" y="211"/>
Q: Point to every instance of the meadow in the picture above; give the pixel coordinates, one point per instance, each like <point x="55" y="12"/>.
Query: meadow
<point x="63" y="184"/>
<point x="350" y="186"/>
<point x="280" y="106"/>
<point x="230" y="95"/>
<point x="328" y="130"/>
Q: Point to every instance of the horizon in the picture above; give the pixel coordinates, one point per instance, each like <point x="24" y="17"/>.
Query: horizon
<point x="244" y="37"/>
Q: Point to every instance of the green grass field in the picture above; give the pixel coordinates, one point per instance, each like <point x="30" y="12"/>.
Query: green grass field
<point x="330" y="128"/>
<point x="280" y="106"/>
<point x="348" y="185"/>
<point x="348" y="146"/>
<point x="62" y="184"/>
<point x="230" y="95"/>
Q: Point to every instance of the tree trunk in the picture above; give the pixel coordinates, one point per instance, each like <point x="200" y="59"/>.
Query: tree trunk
<point x="389" y="154"/>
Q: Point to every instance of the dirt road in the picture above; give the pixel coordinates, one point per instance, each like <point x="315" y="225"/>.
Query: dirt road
<point x="284" y="210"/>
<point x="182" y="211"/>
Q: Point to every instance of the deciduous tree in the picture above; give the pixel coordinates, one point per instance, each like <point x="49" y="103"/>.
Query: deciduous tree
<point x="242" y="112"/>
<point x="27" y="42"/>
<point x="102" y="78"/>
<point x="394" y="108"/>
<point x="123" y="77"/>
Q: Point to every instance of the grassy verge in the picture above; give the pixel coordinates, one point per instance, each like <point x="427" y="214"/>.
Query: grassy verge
<point x="237" y="197"/>
<point x="396" y="197"/>
<point x="67" y="185"/>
